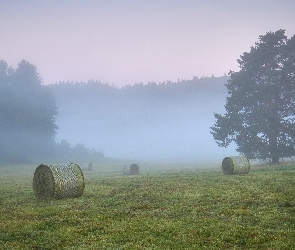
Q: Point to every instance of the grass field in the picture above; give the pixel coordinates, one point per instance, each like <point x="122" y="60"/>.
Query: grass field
<point x="183" y="206"/>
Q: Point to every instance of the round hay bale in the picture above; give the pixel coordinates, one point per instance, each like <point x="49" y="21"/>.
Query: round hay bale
<point x="58" y="181"/>
<point x="235" y="165"/>
<point x="134" y="169"/>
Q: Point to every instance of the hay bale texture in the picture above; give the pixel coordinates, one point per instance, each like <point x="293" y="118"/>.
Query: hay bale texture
<point x="132" y="170"/>
<point x="58" y="181"/>
<point x="233" y="165"/>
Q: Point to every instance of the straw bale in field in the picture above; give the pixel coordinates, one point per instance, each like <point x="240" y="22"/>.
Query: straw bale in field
<point x="133" y="169"/>
<point x="58" y="181"/>
<point x="235" y="165"/>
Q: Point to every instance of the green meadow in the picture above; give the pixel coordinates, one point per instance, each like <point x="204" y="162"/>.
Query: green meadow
<point x="167" y="206"/>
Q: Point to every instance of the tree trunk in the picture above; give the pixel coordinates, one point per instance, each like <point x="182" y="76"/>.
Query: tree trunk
<point x="275" y="159"/>
<point x="274" y="124"/>
<point x="274" y="150"/>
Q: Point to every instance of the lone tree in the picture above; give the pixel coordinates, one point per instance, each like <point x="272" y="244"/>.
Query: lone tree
<point x="260" y="109"/>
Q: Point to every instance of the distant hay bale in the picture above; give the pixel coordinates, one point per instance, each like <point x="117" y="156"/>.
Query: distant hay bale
<point x="58" y="181"/>
<point x="235" y="165"/>
<point x="132" y="170"/>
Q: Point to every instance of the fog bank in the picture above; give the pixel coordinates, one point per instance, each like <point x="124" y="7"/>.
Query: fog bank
<point x="167" y="121"/>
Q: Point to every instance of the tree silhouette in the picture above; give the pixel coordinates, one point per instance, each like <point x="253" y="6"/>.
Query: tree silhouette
<point x="27" y="114"/>
<point x="260" y="111"/>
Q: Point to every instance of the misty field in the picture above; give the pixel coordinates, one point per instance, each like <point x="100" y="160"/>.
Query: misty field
<point x="165" y="207"/>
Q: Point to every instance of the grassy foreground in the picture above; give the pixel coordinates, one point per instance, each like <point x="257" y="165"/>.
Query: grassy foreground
<point x="169" y="209"/>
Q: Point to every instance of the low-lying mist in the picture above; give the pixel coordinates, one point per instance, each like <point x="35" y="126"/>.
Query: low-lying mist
<point x="153" y="122"/>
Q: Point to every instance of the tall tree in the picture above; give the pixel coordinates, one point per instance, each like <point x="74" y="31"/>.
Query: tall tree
<point x="27" y="114"/>
<point x="260" y="109"/>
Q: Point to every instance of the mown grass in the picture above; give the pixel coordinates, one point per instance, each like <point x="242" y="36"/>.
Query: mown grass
<point x="169" y="209"/>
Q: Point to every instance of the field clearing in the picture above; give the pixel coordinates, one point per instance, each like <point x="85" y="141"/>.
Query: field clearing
<point x="167" y="206"/>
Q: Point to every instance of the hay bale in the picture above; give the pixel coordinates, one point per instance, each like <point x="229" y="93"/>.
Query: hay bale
<point x="132" y="170"/>
<point x="58" y="181"/>
<point x="235" y="165"/>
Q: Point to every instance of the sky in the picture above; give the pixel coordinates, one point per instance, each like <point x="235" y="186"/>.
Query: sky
<point x="133" y="41"/>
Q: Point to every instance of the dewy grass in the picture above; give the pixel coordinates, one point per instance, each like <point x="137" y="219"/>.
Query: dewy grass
<point x="192" y="209"/>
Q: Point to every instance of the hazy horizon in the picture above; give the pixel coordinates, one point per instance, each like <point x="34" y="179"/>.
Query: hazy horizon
<point x="128" y="42"/>
<point x="145" y="122"/>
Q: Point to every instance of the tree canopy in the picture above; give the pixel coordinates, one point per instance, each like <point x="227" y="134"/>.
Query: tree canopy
<point x="260" y="109"/>
<point x="27" y="114"/>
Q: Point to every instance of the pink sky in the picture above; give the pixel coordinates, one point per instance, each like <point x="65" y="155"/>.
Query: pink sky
<point x="126" y="42"/>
